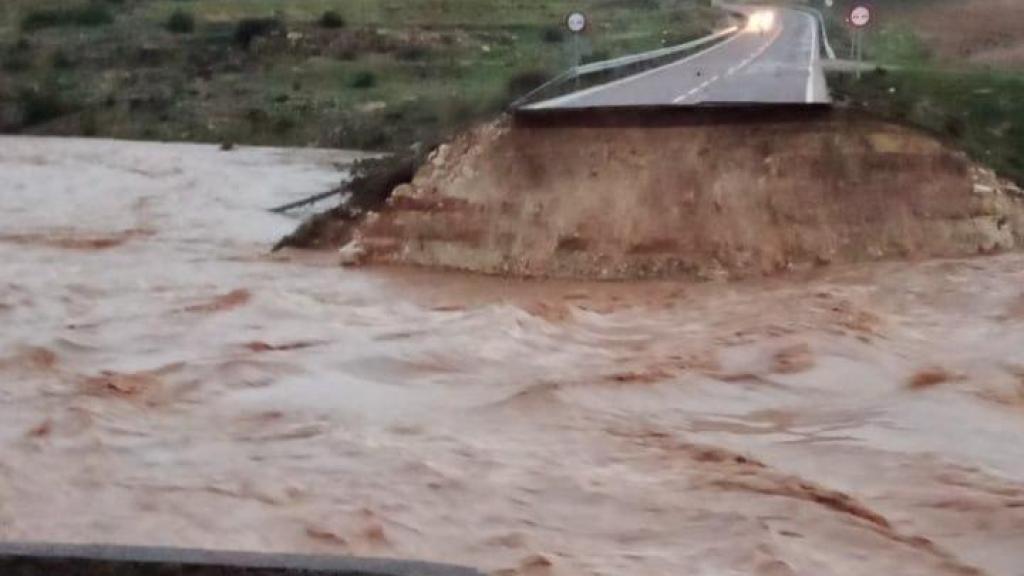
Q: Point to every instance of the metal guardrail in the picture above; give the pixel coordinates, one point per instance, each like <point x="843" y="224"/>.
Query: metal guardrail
<point x="632" y="59"/>
<point x="622" y="62"/>
<point x="824" y="29"/>
<point x="652" y="55"/>
<point x="67" y="560"/>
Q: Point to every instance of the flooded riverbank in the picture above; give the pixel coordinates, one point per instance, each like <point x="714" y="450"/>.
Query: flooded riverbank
<point x="166" y="382"/>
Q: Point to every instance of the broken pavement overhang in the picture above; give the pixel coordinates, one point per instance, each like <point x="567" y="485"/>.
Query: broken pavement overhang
<point x="53" y="559"/>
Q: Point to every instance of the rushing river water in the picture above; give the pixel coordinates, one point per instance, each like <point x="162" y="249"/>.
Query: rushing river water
<point x="163" y="381"/>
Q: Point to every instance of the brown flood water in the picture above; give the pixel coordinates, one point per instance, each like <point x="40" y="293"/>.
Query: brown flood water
<point x="164" y="383"/>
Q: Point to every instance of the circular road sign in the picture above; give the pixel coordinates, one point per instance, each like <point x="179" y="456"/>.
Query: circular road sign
<point x="576" y="22"/>
<point x="860" y="16"/>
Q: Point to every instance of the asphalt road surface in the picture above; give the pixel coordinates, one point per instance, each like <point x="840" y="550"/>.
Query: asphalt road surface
<point x="773" y="60"/>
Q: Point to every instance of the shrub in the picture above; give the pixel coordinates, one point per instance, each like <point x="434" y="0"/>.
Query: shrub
<point x="523" y="82"/>
<point x="40" y="105"/>
<point x="954" y="125"/>
<point x="17" y="58"/>
<point x="412" y="53"/>
<point x="248" y="29"/>
<point x="363" y="80"/>
<point x="552" y="35"/>
<point x="88" y="123"/>
<point x="181" y="22"/>
<point x="87" y="15"/>
<point x="373" y="180"/>
<point x="61" y="60"/>
<point x="347" y="54"/>
<point x="283" y="123"/>
<point x="332" y="19"/>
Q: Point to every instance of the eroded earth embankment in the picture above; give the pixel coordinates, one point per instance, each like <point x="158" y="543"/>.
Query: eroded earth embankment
<point x="704" y="194"/>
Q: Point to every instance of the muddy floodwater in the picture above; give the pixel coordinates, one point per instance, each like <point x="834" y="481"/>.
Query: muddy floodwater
<point x="164" y="381"/>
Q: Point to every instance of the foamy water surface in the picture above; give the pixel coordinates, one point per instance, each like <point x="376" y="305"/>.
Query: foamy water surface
<point x="164" y="381"/>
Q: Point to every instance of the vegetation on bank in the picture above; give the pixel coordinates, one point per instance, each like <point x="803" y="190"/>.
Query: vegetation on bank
<point x="974" y="107"/>
<point x="978" y="111"/>
<point x="374" y="74"/>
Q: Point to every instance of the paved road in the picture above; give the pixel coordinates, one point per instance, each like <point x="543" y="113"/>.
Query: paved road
<point x="776" y="63"/>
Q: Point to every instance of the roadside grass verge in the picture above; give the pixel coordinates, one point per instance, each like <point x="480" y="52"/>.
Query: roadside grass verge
<point x="978" y="111"/>
<point x="89" y="14"/>
<point x="339" y="73"/>
<point x="974" y="108"/>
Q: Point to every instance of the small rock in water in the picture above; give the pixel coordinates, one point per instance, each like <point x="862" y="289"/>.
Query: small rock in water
<point x="352" y="254"/>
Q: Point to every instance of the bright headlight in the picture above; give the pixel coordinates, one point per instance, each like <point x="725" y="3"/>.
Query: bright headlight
<point x="761" y="21"/>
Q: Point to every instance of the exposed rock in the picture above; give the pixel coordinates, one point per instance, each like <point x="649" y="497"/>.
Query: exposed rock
<point x="440" y="156"/>
<point x="352" y="254"/>
<point x="373" y="106"/>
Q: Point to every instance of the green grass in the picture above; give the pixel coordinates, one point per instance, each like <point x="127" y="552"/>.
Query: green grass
<point x="979" y="111"/>
<point x="86" y="14"/>
<point x="896" y="44"/>
<point x="436" y="64"/>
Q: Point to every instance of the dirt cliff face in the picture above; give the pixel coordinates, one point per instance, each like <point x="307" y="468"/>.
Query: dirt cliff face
<point x="694" y="195"/>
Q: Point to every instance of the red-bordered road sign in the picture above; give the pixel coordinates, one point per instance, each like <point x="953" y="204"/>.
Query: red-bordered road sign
<point x="576" y="22"/>
<point x="860" y="16"/>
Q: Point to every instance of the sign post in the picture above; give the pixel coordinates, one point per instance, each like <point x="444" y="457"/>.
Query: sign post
<point x="859" y="19"/>
<point x="576" y="22"/>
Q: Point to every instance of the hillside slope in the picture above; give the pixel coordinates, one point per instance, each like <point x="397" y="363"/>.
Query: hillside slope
<point x="369" y="74"/>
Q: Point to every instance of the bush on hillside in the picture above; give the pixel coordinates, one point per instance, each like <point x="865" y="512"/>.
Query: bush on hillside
<point x="332" y="19"/>
<point x="61" y="60"/>
<point x="524" y="82"/>
<point x="363" y="80"/>
<point x="39" y="105"/>
<point x="87" y="15"/>
<point x="249" y="29"/>
<point x="181" y="22"/>
<point x="412" y="53"/>
<point x="552" y="35"/>
<point x="18" y="57"/>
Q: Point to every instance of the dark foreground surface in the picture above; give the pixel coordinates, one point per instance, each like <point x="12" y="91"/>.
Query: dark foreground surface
<point x="66" y="560"/>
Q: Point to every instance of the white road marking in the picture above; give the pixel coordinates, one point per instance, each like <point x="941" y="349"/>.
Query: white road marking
<point x="736" y="68"/>
<point x="555" y="102"/>
<point x="814" y="59"/>
<point x="809" y="95"/>
<point x="704" y="85"/>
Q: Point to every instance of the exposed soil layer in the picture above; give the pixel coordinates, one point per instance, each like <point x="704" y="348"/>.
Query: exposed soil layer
<point x="712" y="194"/>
